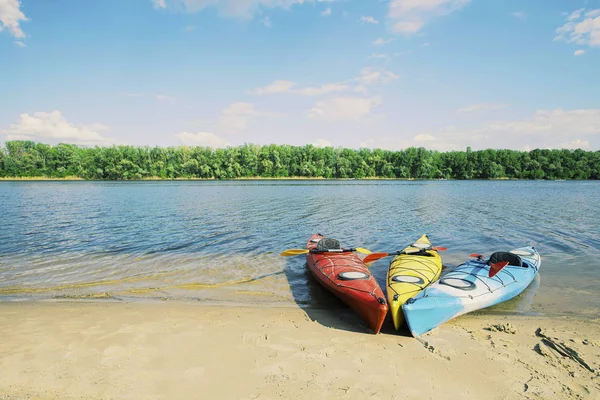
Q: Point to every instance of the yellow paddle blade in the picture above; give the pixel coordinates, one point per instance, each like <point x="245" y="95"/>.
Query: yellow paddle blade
<point x="293" y="252"/>
<point x="363" y="250"/>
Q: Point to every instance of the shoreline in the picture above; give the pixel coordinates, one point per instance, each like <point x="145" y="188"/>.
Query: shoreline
<point x="91" y="350"/>
<point x="335" y="306"/>
<point x="293" y="178"/>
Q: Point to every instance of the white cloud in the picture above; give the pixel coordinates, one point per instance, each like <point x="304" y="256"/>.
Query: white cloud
<point x="375" y="76"/>
<point x="576" y="144"/>
<point x="321" y="90"/>
<point x="275" y="88"/>
<point x="360" y="89"/>
<point x="326" y="13"/>
<point x="408" y="26"/>
<point x="409" y="16"/>
<point x="163" y="97"/>
<point x="236" y="117"/>
<point x="20" y="44"/>
<point x="554" y="122"/>
<point x="159" y="4"/>
<point x="205" y="139"/>
<point x="380" y="56"/>
<point x="545" y="129"/>
<point x="288" y="87"/>
<point x="10" y="17"/>
<point x="424" y="138"/>
<point x="579" y="52"/>
<point x="575" y="14"/>
<point x="368" y="76"/>
<point x="245" y="9"/>
<point x="321" y="143"/>
<point x="343" y="108"/>
<point x="53" y="126"/>
<point x="519" y="14"/>
<point x="482" y="107"/>
<point x="381" y="41"/>
<point x="369" y="20"/>
<point x="157" y="97"/>
<point x="266" y="22"/>
<point x="581" y="28"/>
<point x="190" y="28"/>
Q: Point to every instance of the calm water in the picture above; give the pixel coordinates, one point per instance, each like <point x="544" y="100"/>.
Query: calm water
<point x="220" y="241"/>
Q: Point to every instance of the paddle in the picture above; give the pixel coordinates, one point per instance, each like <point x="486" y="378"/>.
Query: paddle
<point x="295" y="252"/>
<point x="494" y="268"/>
<point x="376" y="256"/>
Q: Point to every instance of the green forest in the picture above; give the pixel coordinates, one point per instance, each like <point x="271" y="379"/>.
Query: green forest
<point x="22" y="159"/>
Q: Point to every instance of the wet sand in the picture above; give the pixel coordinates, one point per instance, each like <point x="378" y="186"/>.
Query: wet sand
<point x="113" y="350"/>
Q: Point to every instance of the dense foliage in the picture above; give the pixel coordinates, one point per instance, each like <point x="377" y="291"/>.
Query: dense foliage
<point x="29" y="159"/>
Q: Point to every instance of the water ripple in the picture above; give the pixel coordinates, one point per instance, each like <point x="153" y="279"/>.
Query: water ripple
<point x="220" y="240"/>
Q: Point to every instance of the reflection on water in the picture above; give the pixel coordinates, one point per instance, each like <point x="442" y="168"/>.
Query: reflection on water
<point x="219" y="241"/>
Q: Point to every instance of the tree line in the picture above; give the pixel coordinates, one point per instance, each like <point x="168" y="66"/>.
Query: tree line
<point x="21" y="158"/>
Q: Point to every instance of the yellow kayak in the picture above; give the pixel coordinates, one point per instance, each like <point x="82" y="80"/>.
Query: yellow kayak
<point x="410" y="272"/>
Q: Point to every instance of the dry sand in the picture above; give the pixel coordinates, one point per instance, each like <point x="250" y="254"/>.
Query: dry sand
<point x="94" y="350"/>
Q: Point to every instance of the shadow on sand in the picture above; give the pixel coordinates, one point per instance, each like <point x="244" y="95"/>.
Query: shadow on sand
<point x="322" y="306"/>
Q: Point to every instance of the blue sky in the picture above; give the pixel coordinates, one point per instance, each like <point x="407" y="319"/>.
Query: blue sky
<point x="443" y="74"/>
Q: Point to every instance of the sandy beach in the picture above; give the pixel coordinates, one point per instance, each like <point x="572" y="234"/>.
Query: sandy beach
<point x="95" y="350"/>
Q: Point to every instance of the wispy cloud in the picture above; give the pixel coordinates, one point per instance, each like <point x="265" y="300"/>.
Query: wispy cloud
<point x="381" y="41"/>
<point x="519" y="15"/>
<point x="159" y="4"/>
<point x="244" y="9"/>
<point x="205" y="139"/>
<point x="266" y="22"/>
<point x="368" y="76"/>
<point x="321" y="143"/>
<point x="237" y="117"/>
<point x="381" y="56"/>
<point x="576" y="144"/>
<point x="157" y="97"/>
<point x="164" y="97"/>
<point x="557" y="123"/>
<point x="579" y="52"/>
<point x="375" y="76"/>
<point x="190" y="28"/>
<point x="369" y="20"/>
<point x="11" y="17"/>
<point x="582" y="27"/>
<point x="20" y="44"/>
<point x="482" y="107"/>
<point x="278" y="87"/>
<point x="326" y="13"/>
<point x="343" y="108"/>
<point x="409" y="16"/>
<point x="559" y="128"/>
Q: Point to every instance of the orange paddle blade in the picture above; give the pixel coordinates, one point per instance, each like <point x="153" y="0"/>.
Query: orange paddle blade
<point x="496" y="267"/>
<point x="374" y="257"/>
<point x="475" y="255"/>
<point x="438" y="248"/>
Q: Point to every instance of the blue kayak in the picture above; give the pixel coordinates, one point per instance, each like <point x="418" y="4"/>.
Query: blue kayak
<point x="468" y="288"/>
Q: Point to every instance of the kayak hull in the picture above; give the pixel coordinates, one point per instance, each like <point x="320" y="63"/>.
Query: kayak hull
<point x="468" y="288"/>
<point x="408" y="274"/>
<point x="363" y="295"/>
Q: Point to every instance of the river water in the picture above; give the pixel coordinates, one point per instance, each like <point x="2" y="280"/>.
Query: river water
<point x="219" y="242"/>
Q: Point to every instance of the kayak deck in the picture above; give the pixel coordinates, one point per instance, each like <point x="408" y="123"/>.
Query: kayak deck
<point x="345" y="275"/>
<point x="408" y="274"/>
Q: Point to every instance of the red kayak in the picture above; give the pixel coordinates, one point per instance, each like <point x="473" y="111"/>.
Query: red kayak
<point x="344" y="274"/>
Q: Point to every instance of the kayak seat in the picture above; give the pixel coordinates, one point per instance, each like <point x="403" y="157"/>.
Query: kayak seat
<point x="328" y="244"/>
<point x="503" y="256"/>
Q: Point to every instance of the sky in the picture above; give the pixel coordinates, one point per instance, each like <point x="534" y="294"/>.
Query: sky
<point x="439" y="74"/>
